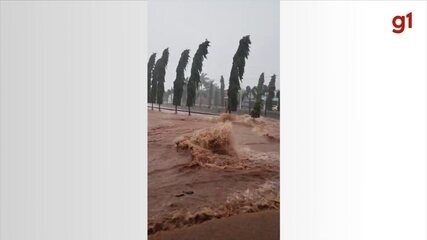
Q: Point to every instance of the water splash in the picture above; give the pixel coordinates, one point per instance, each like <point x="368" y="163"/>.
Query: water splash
<point x="211" y="147"/>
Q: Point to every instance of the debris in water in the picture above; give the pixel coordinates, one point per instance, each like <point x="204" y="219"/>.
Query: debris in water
<point x="211" y="147"/>
<point x="223" y="117"/>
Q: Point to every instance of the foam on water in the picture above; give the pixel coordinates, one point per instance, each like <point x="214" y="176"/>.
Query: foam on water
<point x="211" y="147"/>
<point x="265" y="197"/>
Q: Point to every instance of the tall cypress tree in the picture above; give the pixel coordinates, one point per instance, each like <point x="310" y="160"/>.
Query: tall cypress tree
<point x="222" y="91"/>
<point x="159" y="75"/>
<point x="150" y="66"/>
<point x="196" y="69"/>
<point x="270" y="96"/>
<point x="256" y="112"/>
<point x="178" y="84"/>
<point x="184" y="91"/>
<point x="278" y="100"/>
<point x="264" y="89"/>
<point x="237" y="71"/>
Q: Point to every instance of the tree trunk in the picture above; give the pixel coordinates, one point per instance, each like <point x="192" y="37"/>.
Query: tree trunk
<point x="159" y="107"/>
<point x="189" y="113"/>
<point x="152" y="106"/>
<point x="176" y="110"/>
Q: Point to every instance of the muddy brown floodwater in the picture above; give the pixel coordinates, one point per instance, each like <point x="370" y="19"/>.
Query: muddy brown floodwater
<point x="206" y="167"/>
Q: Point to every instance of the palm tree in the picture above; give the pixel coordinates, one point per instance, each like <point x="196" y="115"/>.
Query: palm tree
<point x="237" y="71"/>
<point x="203" y="88"/>
<point x="204" y="80"/>
<point x="256" y="112"/>
<point x="271" y="90"/>
<point x="178" y="84"/>
<point x="150" y="67"/>
<point x="196" y="69"/>
<point x="160" y="76"/>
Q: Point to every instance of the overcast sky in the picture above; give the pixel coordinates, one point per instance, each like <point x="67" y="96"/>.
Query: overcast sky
<point x="182" y="25"/>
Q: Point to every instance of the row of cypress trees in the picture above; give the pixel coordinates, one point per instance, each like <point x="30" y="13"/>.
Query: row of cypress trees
<point x="157" y="70"/>
<point x="157" y="73"/>
<point x="259" y="91"/>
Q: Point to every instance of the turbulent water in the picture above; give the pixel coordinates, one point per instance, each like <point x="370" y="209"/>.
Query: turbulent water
<point x="201" y="167"/>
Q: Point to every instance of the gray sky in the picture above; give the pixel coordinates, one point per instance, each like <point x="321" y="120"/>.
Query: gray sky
<point x="182" y="25"/>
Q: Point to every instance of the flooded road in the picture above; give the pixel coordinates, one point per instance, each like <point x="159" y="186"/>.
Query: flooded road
<point x="206" y="167"/>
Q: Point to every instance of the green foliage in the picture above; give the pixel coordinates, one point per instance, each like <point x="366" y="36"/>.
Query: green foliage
<point x="278" y="100"/>
<point x="159" y="77"/>
<point x="196" y="69"/>
<point x="191" y="93"/>
<point x="258" y="92"/>
<point x="154" y="81"/>
<point x="255" y="113"/>
<point x="237" y="71"/>
<point x="178" y="84"/>
<point x="184" y="91"/>
<point x="271" y="90"/>
<point x="150" y="67"/>
<point x="264" y="89"/>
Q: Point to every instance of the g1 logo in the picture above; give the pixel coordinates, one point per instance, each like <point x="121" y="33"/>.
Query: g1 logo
<point x="399" y="23"/>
